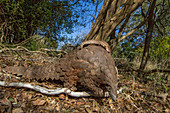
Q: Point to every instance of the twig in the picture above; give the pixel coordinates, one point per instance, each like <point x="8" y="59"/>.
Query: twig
<point x="53" y="50"/>
<point x="164" y="96"/>
<point x="30" y="51"/>
<point x="25" y="41"/>
<point x="4" y="48"/>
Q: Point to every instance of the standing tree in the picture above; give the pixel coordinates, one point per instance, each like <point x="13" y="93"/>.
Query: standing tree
<point x="112" y="13"/>
<point x="135" y="21"/>
<point x="150" y="25"/>
<point x="20" y="19"/>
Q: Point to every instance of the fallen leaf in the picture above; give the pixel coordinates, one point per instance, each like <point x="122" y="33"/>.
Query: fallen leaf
<point x="167" y="110"/>
<point x="88" y="110"/>
<point x="10" y="99"/>
<point x="38" y="102"/>
<point x="62" y="96"/>
<point x="80" y="103"/>
<point x="17" y="110"/>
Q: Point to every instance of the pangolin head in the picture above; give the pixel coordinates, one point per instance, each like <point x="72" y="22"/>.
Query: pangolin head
<point x="112" y="83"/>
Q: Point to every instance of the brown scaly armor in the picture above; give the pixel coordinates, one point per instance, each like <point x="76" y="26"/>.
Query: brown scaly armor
<point x="92" y="66"/>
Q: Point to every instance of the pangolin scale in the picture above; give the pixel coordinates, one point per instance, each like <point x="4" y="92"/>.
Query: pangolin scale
<point x="92" y="66"/>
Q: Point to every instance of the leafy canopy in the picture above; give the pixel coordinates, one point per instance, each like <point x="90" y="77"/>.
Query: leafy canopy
<point x="20" y="19"/>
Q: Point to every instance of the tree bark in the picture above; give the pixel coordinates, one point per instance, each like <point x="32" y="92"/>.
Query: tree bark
<point x="112" y="13"/>
<point x="150" y="26"/>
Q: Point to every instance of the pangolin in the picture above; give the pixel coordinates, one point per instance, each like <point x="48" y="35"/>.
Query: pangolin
<point x="91" y="66"/>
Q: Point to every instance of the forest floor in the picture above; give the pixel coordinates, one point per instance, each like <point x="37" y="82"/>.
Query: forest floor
<point x="139" y="95"/>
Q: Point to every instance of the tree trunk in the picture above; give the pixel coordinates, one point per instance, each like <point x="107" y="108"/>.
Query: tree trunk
<point x="148" y="35"/>
<point x="112" y="13"/>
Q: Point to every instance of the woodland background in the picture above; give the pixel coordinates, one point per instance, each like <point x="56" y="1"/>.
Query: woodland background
<point x="136" y="30"/>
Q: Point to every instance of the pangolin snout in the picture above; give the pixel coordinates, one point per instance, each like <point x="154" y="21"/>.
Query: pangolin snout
<point x="112" y="94"/>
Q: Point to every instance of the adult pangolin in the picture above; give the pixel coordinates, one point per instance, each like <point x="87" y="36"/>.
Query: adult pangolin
<point x="91" y="66"/>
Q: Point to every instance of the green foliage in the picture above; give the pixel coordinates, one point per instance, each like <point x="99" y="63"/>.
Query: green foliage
<point x="52" y="19"/>
<point x="129" y="49"/>
<point x="160" y="48"/>
<point x="40" y="42"/>
<point x="133" y="45"/>
<point x="23" y="18"/>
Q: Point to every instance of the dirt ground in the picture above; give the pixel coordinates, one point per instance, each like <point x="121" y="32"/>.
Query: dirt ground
<point x="146" y="95"/>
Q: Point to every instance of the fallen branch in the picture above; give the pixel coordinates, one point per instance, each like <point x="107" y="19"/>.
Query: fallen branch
<point x="45" y="90"/>
<point x="21" y="48"/>
<point x="164" y="96"/>
<point x="148" y="72"/>
<point x="36" y="37"/>
<point x="52" y="91"/>
<point x="157" y="70"/>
